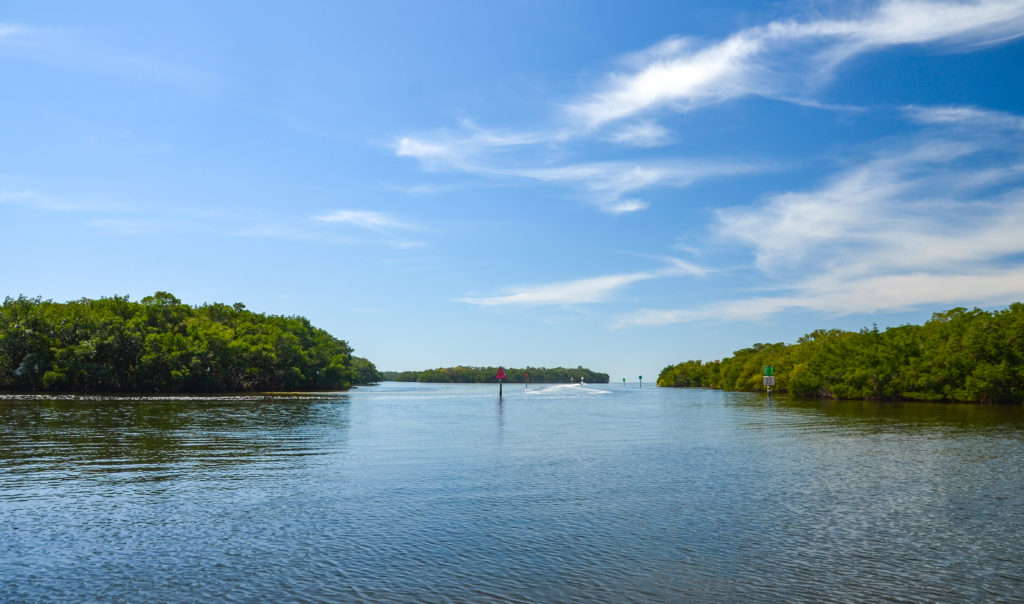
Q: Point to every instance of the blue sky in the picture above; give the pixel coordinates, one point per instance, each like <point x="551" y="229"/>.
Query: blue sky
<point x="617" y="185"/>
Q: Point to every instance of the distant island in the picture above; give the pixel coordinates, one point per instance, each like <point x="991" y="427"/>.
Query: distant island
<point x="958" y="355"/>
<point x="159" y="345"/>
<point x="481" y="375"/>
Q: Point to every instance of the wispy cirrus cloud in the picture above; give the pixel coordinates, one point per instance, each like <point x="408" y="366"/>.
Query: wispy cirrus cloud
<point x="383" y="224"/>
<point x="786" y="58"/>
<point x="675" y="72"/>
<point x="933" y="201"/>
<point x="939" y="220"/>
<point x="374" y="221"/>
<point x="645" y="133"/>
<point x="463" y="149"/>
<point x="866" y="295"/>
<point x="581" y="291"/>
<point x="954" y="115"/>
<point x="612" y="186"/>
<point x="878" y="202"/>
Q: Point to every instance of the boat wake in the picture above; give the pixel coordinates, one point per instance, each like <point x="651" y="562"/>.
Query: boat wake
<point x="567" y="389"/>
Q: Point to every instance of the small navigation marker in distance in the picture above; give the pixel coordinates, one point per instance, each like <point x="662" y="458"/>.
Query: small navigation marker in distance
<point x="500" y="376"/>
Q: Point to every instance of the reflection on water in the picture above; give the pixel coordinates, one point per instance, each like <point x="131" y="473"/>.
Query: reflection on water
<point x="912" y="415"/>
<point x="420" y="492"/>
<point x="144" y="439"/>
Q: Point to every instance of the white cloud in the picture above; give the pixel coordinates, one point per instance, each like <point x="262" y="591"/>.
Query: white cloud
<point x="457" y="150"/>
<point x="751" y="309"/>
<point x="938" y="221"/>
<point x="581" y="291"/>
<point x="374" y="221"/>
<point x="867" y="295"/>
<point x="611" y="185"/>
<point x="876" y="205"/>
<point x="642" y="134"/>
<point x="607" y="185"/>
<point x="425" y="150"/>
<point x="495" y="138"/>
<point x="378" y="222"/>
<point x="966" y="116"/>
<point x="910" y="290"/>
<point x="626" y="206"/>
<point x="678" y="74"/>
<point x="784" y="59"/>
<point x="918" y="22"/>
<point x="404" y="245"/>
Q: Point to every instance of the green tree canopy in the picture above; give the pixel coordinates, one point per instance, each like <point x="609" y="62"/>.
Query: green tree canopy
<point x="161" y="345"/>
<point x="958" y="355"/>
<point x="481" y="375"/>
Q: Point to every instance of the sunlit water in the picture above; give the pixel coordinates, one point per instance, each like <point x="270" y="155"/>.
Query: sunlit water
<point x="413" y="492"/>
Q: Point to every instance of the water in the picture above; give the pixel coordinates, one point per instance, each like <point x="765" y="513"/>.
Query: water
<point x="438" y="493"/>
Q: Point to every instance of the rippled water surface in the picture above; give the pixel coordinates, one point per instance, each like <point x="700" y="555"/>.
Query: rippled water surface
<point x="421" y="492"/>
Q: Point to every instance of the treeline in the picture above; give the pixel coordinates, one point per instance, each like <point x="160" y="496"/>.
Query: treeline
<point x="480" y="375"/>
<point x="161" y="345"/>
<point x="958" y="355"/>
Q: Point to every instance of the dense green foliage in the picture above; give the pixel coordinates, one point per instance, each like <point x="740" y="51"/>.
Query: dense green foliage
<point x="958" y="355"/>
<point x="481" y="375"/>
<point x="162" y="345"/>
